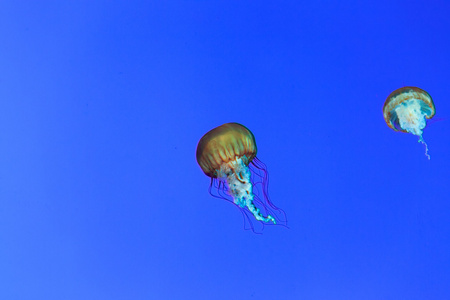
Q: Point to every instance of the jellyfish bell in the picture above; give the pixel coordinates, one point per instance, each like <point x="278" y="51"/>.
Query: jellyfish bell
<point x="227" y="154"/>
<point x="396" y="112"/>
<point x="222" y="145"/>
<point x="407" y="109"/>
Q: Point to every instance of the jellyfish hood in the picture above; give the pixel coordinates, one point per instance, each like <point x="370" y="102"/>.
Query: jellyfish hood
<point x="224" y="144"/>
<point x="402" y="95"/>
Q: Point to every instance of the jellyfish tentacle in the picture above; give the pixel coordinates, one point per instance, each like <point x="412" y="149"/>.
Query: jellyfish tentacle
<point x="421" y="140"/>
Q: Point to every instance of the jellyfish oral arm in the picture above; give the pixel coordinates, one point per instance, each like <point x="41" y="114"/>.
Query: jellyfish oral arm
<point x="412" y="118"/>
<point x="237" y="177"/>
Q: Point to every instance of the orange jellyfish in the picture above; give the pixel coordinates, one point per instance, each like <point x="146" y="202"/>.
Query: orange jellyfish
<point x="227" y="154"/>
<point x="407" y="110"/>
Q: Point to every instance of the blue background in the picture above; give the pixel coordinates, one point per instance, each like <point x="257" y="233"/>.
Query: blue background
<point x="103" y="103"/>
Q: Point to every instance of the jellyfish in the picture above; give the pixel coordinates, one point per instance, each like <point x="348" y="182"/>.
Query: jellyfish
<point x="407" y="110"/>
<point x="227" y="154"/>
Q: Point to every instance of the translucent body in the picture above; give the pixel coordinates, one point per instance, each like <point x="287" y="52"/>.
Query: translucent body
<point x="407" y="110"/>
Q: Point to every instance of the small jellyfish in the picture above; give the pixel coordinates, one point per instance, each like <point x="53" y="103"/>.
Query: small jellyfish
<point x="227" y="154"/>
<point x="407" y="110"/>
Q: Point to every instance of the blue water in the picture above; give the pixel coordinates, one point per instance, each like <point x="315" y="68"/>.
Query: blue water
<point x="102" y="105"/>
